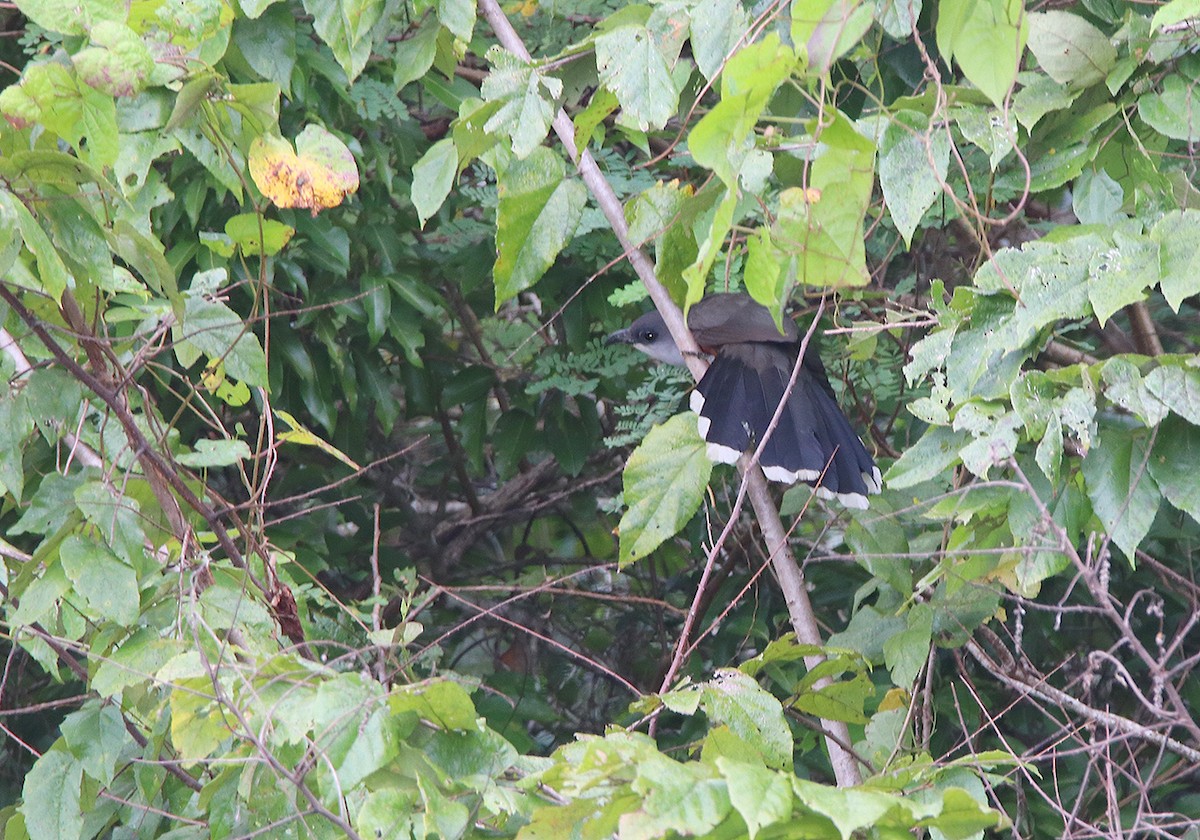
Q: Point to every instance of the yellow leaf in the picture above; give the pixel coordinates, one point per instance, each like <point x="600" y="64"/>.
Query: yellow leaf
<point x="319" y="174"/>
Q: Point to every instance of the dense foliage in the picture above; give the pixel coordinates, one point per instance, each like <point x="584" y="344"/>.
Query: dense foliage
<point x="312" y="453"/>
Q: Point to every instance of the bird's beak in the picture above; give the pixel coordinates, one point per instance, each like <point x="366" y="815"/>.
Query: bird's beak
<point x="619" y="337"/>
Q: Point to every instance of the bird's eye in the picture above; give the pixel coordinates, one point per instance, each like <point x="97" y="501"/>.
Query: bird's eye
<point x="650" y="335"/>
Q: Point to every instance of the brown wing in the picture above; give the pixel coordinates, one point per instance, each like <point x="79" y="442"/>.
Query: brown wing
<point x="736" y="318"/>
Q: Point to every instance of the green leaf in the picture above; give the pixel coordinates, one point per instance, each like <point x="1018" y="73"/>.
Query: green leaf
<point x="717" y="30"/>
<point x="848" y="809"/>
<point x="913" y="159"/>
<point x="986" y="38"/>
<point x="988" y="129"/>
<point x="108" y="586"/>
<point x="345" y="27"/>
<point x="414" y="55"/>
<point x="1097" y="199"/>
<point x="257" y="236"/>
<point x="525" y="111"/>
<point x="928" y="458"/>
<point x="458" y="16"/>
<point x="635" y="63"/>
<point x="119" y="64"/>
<point x="1120" y="275"/>
<point x="1124" y="385"/>
<point x="1123" y="492"/>
<point x="906" y="652"/>
<point x="52" y="272"/>
<point x="96" y="735"/>
<point x="825" y="221"/>
<point x="1173" y="464"/>
<point x="723" y="138"/>
<point x="1038" y="97"/>
<point x="1176" y="11"/>
<point x="433" y="176"/>
<point x="760" y="796"/>
<point x="1070" y="50"/>
<point x="71" y="17"/>
<point x="442" y="702"/>
<point x="1177" y="386"/>
<point x="829" y="29"/>
<point x="513" y="437"/>
<point x="752" y="713"/>
<point x="842" y="700"/>
<point x="268" y="43"/>
<point x="50" y="797"/>
<point x="215" y="453"/>
<point x="1178" y="238"/>
<point x="664" y="481"/>
<point x="898" y="17"/>
<point x="539" y="210"/>
<point x="1172" y="111"/>
<point x="218" y="332"/>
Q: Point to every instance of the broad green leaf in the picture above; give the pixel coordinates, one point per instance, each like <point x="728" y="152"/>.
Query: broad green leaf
<point x="664" y="481"/>
<point x="986" y="38"/>
<point x="345" y="27"/>
<point x="913" y="159"/>
<point x="1178" y="237"/>
<point x="96" y="735"/>
<point x="829" y="214"/>
<point x="829" y="29"/>
<point x="458" y="16"/>
<point x="414" y="55"/>
<point x="256" y="236"/>
<point x="1070" y="50"/>
<point x="1038" y="96"/>
<point x="107" y="585"/>
<point x="71" y="17"/>
<point x="433" y="176"/>
<point x="119" y="64"/>
<point x="1120" y="275"/>
<point x="848" y="809"/>
<point x="219" y="333"/>
<point x="1122" y="489"/>
<point x="1097" y="198"/>
<point x="665" y="215"/>
<point x="695" y="276"/>
<point x="513" y="437"/>
<point x="528" y="100"/>
<point x="842" y="700"/>
<point x="898" y="17"/>
<point x="1176" y="11"/>
<point x="1177" y="386"/>
<point x="376" y="743"/>
<point x="1173" y="464"/>
<point x="936" y="451"/>
<point x="52" y="273"/>
<point x="762" y="797"/>
<point x="198" y="723"/>
<point x="635" y="63"/>
<point x="539" y="210"/>
<point x="15" y="425"/>
<point x="723" y="138"/>
<point x="962" y="816"/>
<point x="752" y="713"/>
<point x="906" y="652"/>
<point x="50" y="797"/>
<point x="1124" y="385"/>
<point x="717" y="29"/>
<point x="442" y="702"/>
<point x="215" y="453"/>
<point x="988" y="129"/>
<point x="1174" y="111"/>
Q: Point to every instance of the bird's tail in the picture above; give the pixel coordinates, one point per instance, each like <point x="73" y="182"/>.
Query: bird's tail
<point x="812" y="442"/>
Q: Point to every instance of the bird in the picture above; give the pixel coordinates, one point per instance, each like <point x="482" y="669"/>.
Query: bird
<point x="752" y="363"/>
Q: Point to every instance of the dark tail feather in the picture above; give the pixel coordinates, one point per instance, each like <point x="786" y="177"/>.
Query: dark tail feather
<point x="813" y="441"/>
